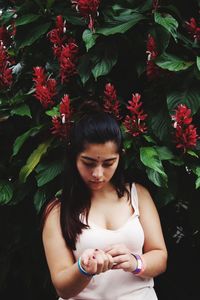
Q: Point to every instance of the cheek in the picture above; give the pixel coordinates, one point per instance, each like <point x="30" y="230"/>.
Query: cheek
<point x="82" y="170"/>
<point x="112" y="170"/>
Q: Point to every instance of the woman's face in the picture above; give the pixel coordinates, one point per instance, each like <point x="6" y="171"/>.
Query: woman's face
<point x="97" y="164"/>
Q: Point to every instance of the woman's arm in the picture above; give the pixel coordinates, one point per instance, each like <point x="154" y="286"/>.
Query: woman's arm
<point x="65" y="275"/>
<point x="155" y="252"/>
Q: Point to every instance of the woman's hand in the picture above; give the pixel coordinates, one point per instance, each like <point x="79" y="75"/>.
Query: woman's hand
<point x="122" y="257"/>
<point x="96" y="261"/>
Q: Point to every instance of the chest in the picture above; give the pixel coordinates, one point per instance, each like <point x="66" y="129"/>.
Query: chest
<point x="111" y="216"/>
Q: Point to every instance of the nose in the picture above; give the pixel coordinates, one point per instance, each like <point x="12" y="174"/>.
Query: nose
<point x="97" y="173"/>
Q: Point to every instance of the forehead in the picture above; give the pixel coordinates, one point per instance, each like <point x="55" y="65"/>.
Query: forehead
<point x="100" y="151"/>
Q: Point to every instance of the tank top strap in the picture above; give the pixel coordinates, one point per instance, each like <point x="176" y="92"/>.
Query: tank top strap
<point x="134" y="199"/>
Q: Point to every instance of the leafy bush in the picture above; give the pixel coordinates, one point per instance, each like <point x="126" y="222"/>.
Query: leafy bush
<point x="138" y="59"/>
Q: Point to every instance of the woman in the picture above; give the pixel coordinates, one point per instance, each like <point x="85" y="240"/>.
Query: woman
<point x="103" y="238"/>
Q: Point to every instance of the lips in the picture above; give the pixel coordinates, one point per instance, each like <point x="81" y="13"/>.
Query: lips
<point x="96" y="181"/>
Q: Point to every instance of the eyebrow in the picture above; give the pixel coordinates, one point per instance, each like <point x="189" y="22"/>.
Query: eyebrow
<point x="93" y="159"/>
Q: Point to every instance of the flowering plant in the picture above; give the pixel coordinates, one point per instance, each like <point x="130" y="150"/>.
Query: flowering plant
<point x="139" y="59"/>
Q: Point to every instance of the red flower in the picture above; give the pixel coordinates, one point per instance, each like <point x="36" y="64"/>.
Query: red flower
<point x="65" y="109"/>
<point x="45" y="89"/>
<point x="58" y="36"/>
<point x="185" y="133"/>
<point x="88" y="9"/>
<point x="135" y="122"/>
<point x="65" y="49"/>
<point x="193" y="29"/>
<point x="111" y="103"/>
<point x="153" y="71"/>
<point x="62" y="123"/>
<point x="68" y="58"/>
<point x="5" y="68"/>
<point x="58" y="128"/>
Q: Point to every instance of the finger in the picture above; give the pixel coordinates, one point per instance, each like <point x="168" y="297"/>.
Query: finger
<point x="116" y="251"/>
<point x="100" y="262"/>
<point x="124" y="266"/>
<point x="120" y="259"/>
<point x="87" y="254"/>
<point x="110" y="261"/>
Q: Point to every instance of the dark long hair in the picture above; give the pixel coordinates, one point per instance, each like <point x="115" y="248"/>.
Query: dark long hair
<point x="94" y="127"/>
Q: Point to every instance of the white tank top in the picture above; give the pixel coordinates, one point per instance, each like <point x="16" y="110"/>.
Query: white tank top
<point x="116" y="284"/>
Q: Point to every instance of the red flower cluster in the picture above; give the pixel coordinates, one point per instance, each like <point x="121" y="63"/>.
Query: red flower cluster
<point x="45" y="89"/>
<point x="5" y="68"/>
<point x="88" y="9"/>
<point x="58" y="36"/>
<point x="65" y="49"/>
<point x="135" y="123"/>
<point x="153" y="70"/>
<point x="68" y="60"/>
<point x="193" y="29"/>
<point x="185" y="134"/>
<point x="61" y="124"/>
<point x="111" y="103"/>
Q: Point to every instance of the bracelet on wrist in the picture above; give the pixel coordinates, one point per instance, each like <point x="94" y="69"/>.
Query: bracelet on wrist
<point x="82" y="271"/>
<point x="140" y="265"/>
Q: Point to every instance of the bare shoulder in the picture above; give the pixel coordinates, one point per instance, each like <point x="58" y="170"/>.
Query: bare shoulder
<point x="143" y="193"/>
<point x="52" y="216"/>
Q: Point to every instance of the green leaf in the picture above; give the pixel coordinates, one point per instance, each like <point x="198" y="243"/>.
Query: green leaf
<point x="104" y="58"/>
<point x="149" y="139"/>
<point x="89" y="38"/>
<point x="84" y="68"/>
<point x="177" y="162"/>
<point x="53" y="112"/>
<point x="22" y="110"/>
<point x="160" y="124"/>
<point x="6" y="192"/>
<point x="157" y="178"/>
<point x="47" y="172"/>
<point x="20" y="140"/>
<point x="26" y="19"/>
<point x="172" y="63"/>
<point x="190" y="97"/>
<point x="196" y="171"/>
<point x="164" y="153"/>
<point x="198" y="62"/>
<point x="150" y="158"/>
<point x="33" y="160"/>
<point x="32" y="35"/>
<point x="197" y="183"/>
<point x="168" y="22"/>
<point x="162" y="37"/>
<point x="192" y="153"/>
<point x="39" y="199"/>
<point x="121" y="23"/>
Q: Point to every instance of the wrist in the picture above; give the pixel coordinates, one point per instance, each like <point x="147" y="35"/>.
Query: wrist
<point x="82" y="270"/>
<point x="140" y="265"/>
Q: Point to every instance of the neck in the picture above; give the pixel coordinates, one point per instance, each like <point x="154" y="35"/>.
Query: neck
<point x="105" y="193"/>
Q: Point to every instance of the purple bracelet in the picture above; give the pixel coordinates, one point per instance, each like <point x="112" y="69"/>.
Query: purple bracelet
<point x="139" y="264"/>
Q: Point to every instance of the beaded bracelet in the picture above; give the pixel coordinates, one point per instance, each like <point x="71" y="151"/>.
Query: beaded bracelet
<point x="140" y="265"/>
<point x="82" y="270"/>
